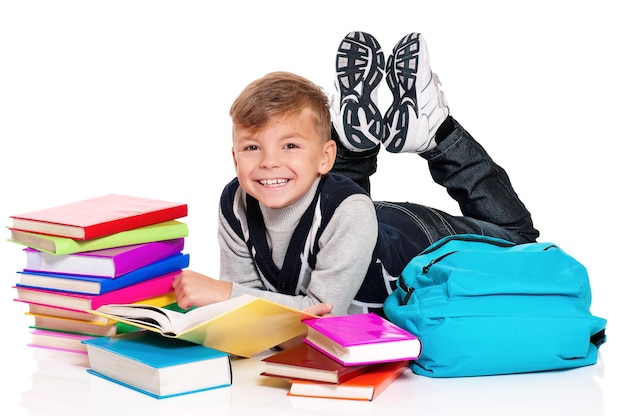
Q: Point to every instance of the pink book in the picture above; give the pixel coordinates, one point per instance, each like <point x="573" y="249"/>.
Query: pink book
<point x="110" y="262"/>
<point x="129" y="294"/>
<point x="361" y="339"/>
<point x="59" y="341"/>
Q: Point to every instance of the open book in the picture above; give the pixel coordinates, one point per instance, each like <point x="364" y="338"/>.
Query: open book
<point x="243" y="326"/>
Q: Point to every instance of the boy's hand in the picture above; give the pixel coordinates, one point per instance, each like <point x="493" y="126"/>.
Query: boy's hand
<point x="321" y="309"/>
<point x="195" y="289"/>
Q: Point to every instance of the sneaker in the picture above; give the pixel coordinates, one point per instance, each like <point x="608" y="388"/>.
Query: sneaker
<point x="360" y="69"/>
<point x="419" y="106"/>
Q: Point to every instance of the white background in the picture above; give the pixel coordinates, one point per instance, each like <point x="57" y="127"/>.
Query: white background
<point x="133" y="97"/>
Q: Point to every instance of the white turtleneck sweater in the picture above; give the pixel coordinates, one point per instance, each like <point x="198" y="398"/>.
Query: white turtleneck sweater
<point x="346" y="248"/>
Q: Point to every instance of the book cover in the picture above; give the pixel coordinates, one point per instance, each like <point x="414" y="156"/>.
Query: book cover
<point x="158" y="366"/>
<point x="305" y="362"/>
<point x="62" y="245"/>
<point x="98" y="285"/>
<point x="133" y="293"/>
<point x="108" y="262"/>
<point x="243" y="326"/>
<point x="99" y="216"/>
<point x="366" y="386"/>
<point x="361" y="339"/>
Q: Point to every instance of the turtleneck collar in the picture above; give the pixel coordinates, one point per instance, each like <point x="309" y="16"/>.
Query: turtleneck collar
<point x="287" y="218"/>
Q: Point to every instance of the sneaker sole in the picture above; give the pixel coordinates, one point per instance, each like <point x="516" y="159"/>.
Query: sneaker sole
<point x="402" y="120"/>
<point x="360" y="68"/>
<point x="401" y="70"/>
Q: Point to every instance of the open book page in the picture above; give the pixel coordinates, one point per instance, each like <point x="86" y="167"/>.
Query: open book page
<point x="161" y="319"/>
<point x="170" y="322"/>
<point x="243" y="326"/>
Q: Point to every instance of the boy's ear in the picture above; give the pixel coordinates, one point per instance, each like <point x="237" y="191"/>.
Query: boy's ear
<point x="328" y="157"/>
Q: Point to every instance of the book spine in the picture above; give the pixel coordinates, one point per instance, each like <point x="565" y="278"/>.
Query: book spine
<point x="146" y="254"/>
<point x="171" y="264"/>
<point x="56" y="281"/>
<point x="139" y="291"/>
<point x="163" y="231"/>
<point x="160" y="300"/>
<point x="135" y="221"/>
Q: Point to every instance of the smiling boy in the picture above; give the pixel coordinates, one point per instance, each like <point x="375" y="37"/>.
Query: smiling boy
<point x="297" y="224"/>
<point x="278" y="162"/>
<point x="281" y="150"/>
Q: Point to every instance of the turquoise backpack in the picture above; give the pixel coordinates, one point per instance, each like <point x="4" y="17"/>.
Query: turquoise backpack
<point x="486" y="306"/>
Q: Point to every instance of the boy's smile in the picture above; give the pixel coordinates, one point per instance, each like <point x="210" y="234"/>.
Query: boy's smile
<point x="278" y="163"/>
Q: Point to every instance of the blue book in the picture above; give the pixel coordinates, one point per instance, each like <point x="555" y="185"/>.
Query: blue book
<point x="91" y="285"/>
<point x="158" y="366"/>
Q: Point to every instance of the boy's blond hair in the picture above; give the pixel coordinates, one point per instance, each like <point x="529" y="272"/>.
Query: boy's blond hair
<point x="280" y="94"/>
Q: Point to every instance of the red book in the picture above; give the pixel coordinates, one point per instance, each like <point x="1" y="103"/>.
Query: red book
<point x="364" y="338"/>
<point x="109" y="262"/>
<point x="134" y="293"/>
<point x="305" y="362"/>
<point x="98" y="217"/>
<point x="366" y="386"/>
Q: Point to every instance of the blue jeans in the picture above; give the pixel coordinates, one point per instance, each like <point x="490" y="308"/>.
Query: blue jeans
<point x="487" y="200"/>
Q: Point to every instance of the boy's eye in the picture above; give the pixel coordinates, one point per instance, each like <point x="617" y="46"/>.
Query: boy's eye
<point x="251" y="147"/>
<point x="291" y="146"/>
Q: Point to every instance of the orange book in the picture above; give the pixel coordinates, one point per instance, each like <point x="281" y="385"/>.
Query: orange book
<point x="98" y="217"/>
<point x="366" y="386"/>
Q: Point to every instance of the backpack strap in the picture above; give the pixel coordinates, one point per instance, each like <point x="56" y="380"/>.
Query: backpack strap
<point x="227" y="207"/>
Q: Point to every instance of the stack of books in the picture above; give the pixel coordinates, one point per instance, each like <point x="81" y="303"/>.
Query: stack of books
<point x="352" y="357"/>
<point x="105" y="250"/>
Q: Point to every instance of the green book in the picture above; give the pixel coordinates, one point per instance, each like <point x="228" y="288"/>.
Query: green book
<point x="62" y="245"/>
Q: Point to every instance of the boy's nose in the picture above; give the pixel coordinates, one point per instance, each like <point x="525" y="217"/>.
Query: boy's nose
<point x="269" y="160"/>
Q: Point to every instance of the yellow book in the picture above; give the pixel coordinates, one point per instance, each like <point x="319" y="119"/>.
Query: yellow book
<point x="243" y="326"/>
<point x="160" y="300"/>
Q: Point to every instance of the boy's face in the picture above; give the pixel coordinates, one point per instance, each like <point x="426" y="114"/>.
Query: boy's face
<point x="278" y="164"/>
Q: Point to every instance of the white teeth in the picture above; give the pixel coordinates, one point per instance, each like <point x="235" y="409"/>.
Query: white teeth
<point x="272" y="182"/>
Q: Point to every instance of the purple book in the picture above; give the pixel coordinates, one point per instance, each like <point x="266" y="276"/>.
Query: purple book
<point x="361" y="339"/>
<point x="110" y="262"/>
